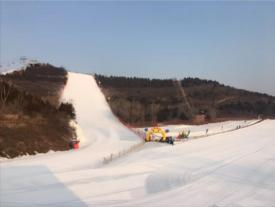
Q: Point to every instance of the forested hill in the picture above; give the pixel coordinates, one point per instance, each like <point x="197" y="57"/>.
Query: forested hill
<point x="143" y="101"/>
<point x="32" y="118"/>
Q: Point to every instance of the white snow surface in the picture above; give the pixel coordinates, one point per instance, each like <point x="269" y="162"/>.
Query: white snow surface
<point x="232" y="169"/>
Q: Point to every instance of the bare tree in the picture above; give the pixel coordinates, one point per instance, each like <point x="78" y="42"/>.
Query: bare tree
<point x="4" y="92"/>
<point x="20" y="99"/>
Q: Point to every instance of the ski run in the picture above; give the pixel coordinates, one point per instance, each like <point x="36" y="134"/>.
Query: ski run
<point x="236" y="168"/>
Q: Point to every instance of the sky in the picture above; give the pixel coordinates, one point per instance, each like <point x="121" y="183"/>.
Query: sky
<point x="231" y="42"/>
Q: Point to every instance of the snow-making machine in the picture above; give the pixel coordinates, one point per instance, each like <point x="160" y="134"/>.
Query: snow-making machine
<point x="74" y="144"/>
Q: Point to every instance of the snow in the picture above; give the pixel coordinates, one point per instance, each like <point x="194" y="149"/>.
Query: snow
<point x="96" y="123"/>
<point x="230" y="169"/>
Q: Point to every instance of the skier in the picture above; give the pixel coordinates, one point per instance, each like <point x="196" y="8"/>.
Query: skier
<point x="189" y="131"/>
<point x="170" y="140"/>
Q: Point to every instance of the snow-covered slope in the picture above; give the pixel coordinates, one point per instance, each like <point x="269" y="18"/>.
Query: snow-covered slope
<point x="99" y="129"/>
<point x="232" y="169"/>
<point x="101" y="134"/>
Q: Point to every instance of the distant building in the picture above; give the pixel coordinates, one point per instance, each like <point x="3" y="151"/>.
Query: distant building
<point x="199" y="119"/>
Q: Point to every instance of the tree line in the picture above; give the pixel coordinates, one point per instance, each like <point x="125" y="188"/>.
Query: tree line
<point x="143" y="100"/>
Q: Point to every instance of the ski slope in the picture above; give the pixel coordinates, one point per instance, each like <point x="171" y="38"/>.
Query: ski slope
<point x="232" y="169"/>
<point x="99" y="131"/>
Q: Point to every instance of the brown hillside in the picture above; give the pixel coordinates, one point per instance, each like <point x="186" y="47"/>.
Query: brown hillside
<point x="31" y="118"/>
<point x="41" y="80"/>
<point x="141" y="101"/>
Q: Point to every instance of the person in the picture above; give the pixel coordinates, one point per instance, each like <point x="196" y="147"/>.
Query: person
<point x="189" y="131"/>
<point x="206" y="132"/>
<point x="170" y="140"/>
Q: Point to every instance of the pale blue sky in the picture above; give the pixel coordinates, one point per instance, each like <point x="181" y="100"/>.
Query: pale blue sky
<point x="231" y="42"/>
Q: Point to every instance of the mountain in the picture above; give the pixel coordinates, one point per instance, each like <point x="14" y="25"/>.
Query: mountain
<point x="233" y="165"/>
<point x="34" y="119"/>
<point x="142" y="101"/>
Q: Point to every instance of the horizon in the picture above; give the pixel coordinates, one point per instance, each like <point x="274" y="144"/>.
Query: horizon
<point x="164" y="78"/>
<point x="229" y="42"/>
